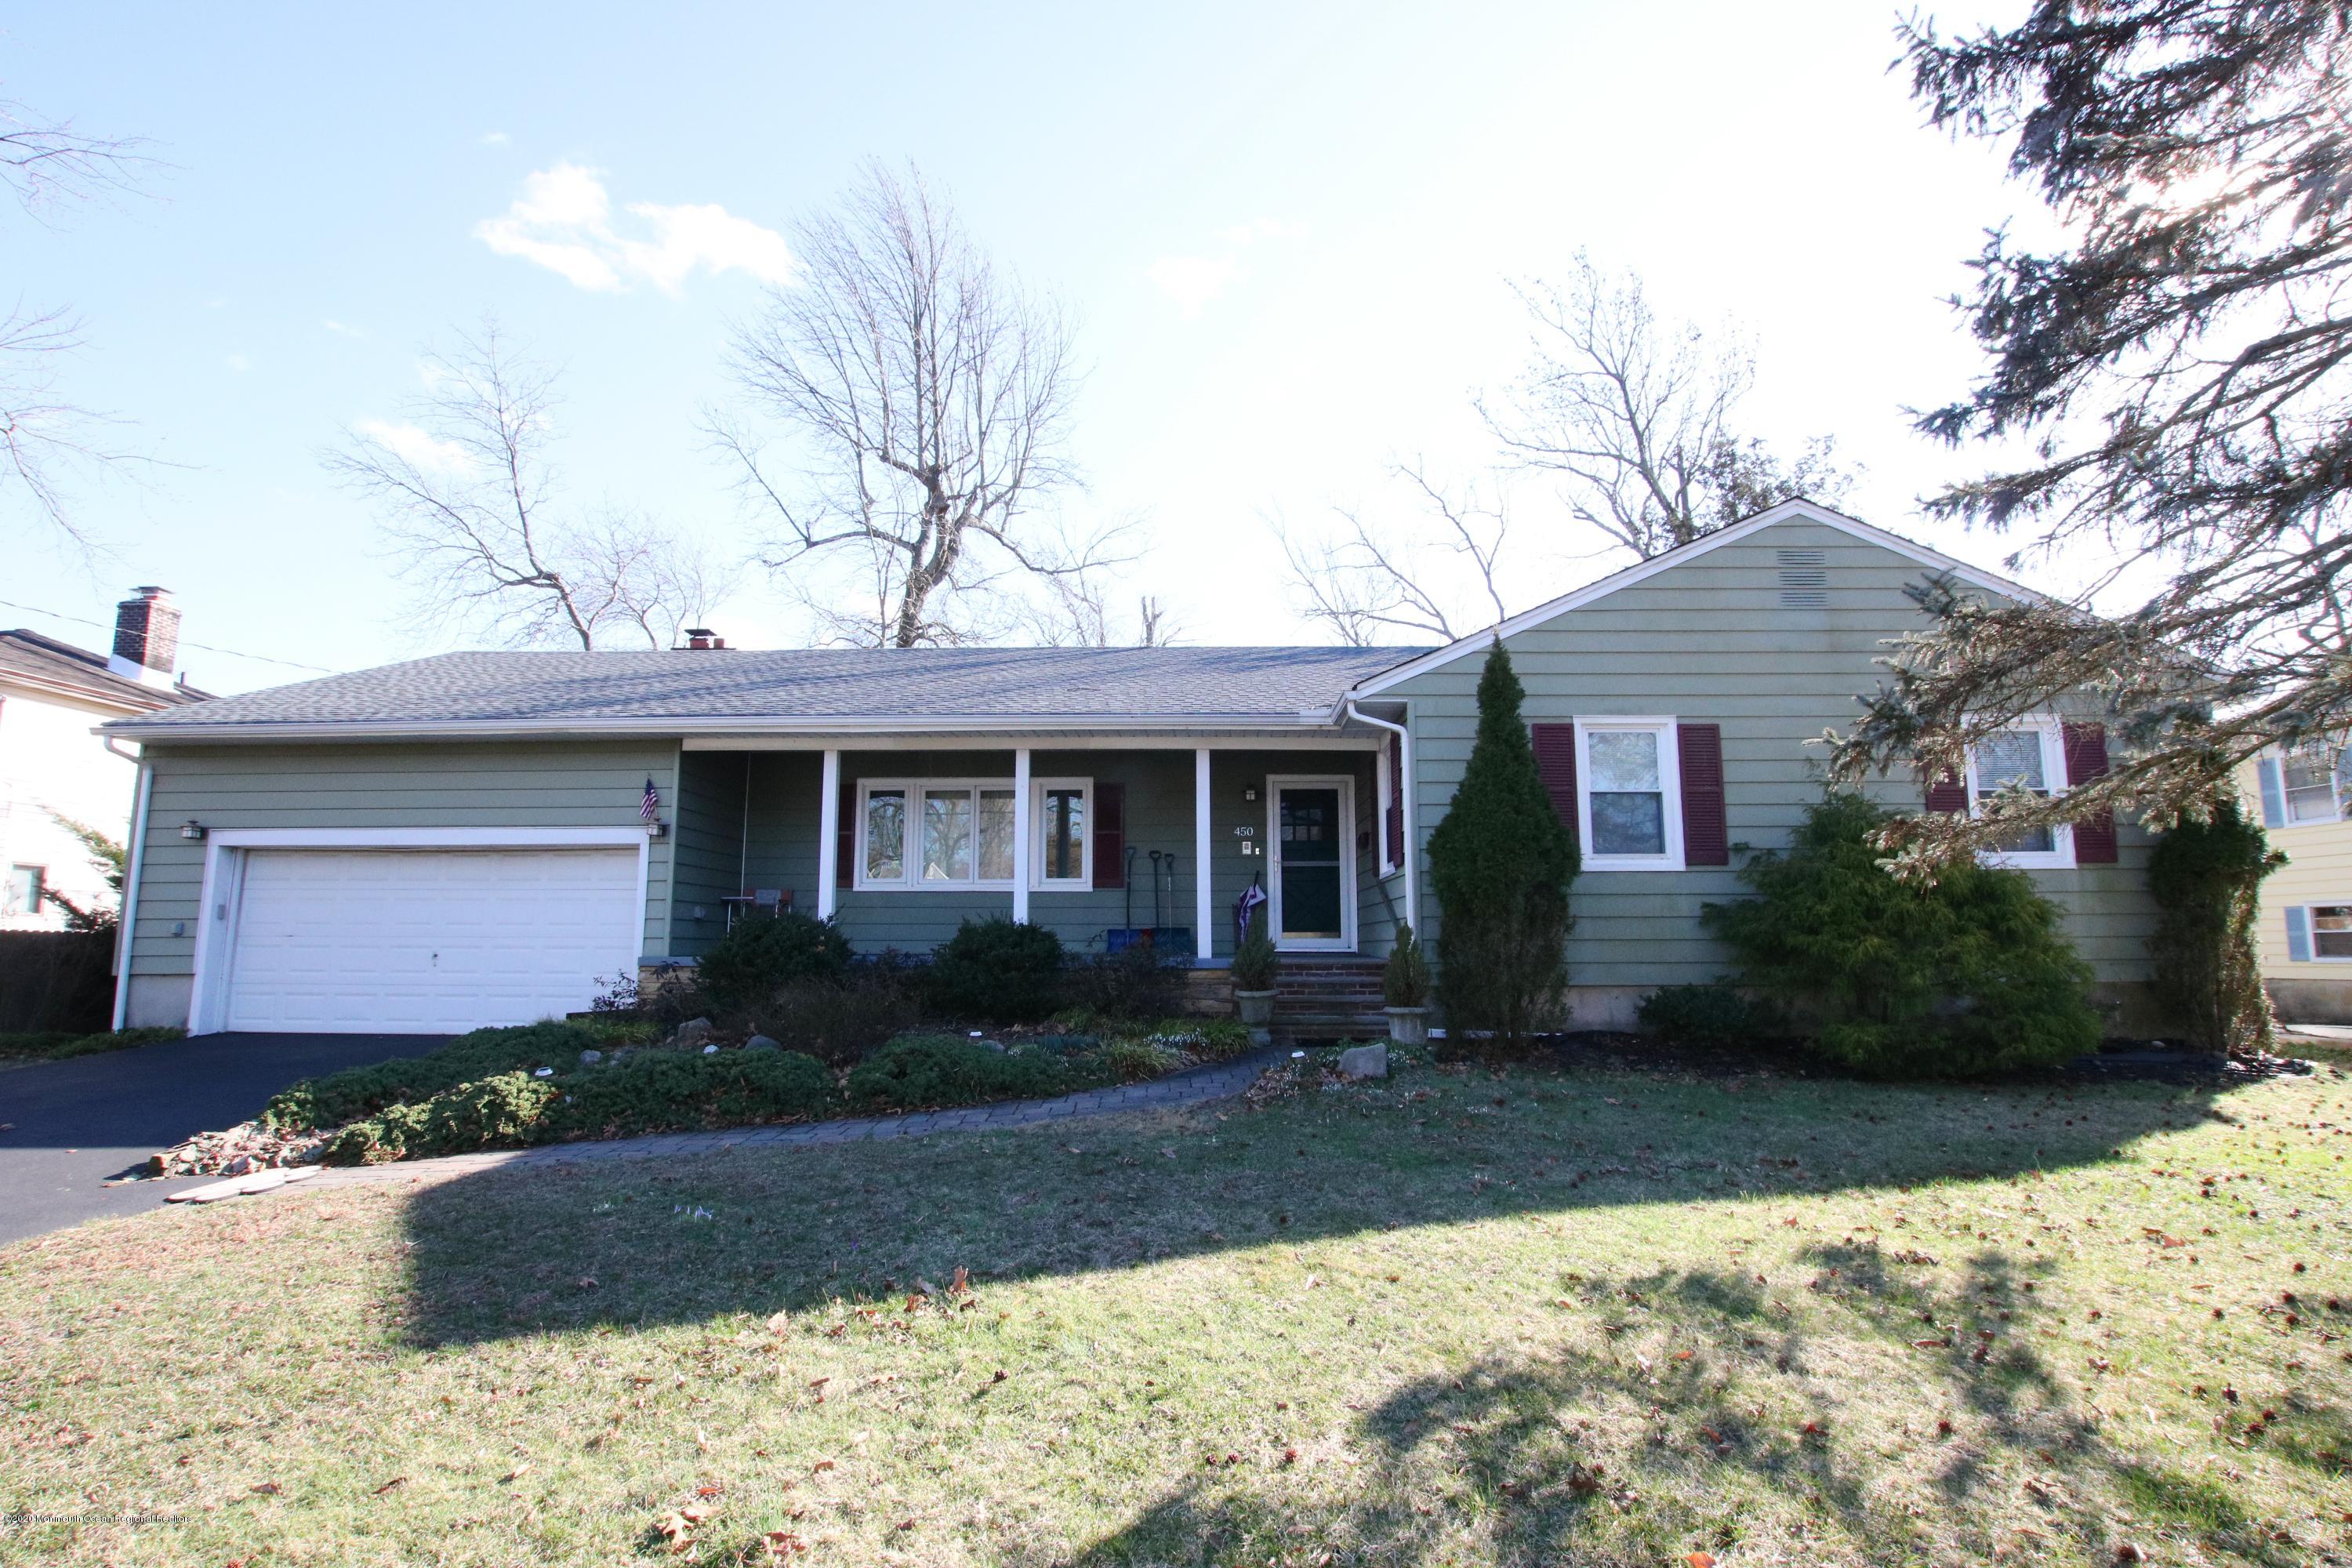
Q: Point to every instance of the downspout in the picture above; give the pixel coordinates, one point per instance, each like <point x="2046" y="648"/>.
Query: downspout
<point x="1406" y="790"/>
<point x="134" y="858"/>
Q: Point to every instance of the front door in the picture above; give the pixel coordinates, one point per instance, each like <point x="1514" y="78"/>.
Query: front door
<point x="1314" y="885"/>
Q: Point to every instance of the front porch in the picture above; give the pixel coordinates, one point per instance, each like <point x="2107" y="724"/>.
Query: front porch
<point x="900" y="843"/>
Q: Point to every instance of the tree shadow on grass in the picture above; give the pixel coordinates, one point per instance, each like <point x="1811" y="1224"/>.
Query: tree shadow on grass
<point x="642" y="1243"/>
<point x="1528" y="1455"/>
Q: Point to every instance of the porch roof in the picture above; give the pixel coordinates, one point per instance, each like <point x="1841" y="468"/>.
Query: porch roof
<point x="815" y="690"/>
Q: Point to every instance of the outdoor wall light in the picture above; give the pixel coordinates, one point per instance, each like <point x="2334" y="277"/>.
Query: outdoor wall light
<point x="191" y="829"/>
<point x="657" y="829"/>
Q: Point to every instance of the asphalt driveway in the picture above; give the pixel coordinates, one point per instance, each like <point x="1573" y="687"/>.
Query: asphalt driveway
<point x="73" y="1126"/>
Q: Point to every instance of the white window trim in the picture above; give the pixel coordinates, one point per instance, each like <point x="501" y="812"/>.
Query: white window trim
<point x="1670" y="784"/>
<point x="2311" y="934"/>
<point x="2060" y="856"/>
<point x="915" y="788"/>
<point x="1038" y="881"/>
<point x="2334" y="791"/>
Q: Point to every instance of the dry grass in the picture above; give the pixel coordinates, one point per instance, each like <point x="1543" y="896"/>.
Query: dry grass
<point x="1465" y="1318"/>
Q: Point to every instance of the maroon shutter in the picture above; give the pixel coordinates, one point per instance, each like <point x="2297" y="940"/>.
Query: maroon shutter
<point x="1706" y="836"/>
<point x="2087" y="759"/>
<point x="1110" y="835"/>
<point x="844" y="840"/>
<point x="1948" y="794"/>
<point x="1555" y="762"/>
<point x="1395" y="810"/>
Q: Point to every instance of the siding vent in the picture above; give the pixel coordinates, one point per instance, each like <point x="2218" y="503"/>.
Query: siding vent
<point x="1804" y="579"/>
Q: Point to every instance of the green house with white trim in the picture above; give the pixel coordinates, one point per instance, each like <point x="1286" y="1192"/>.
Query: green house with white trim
<point x="493" y="837"/>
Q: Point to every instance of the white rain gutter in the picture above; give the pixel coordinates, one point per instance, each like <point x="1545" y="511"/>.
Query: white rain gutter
<point x="1405" y="793"/>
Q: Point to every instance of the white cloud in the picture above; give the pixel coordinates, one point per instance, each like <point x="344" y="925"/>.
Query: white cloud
<point x="563" y="221"/>
<point x="239" y="363"/>
<point x="417" y="446"/>
<point x="1194" y="280"/>
<point x="334" y="326"/>
<point x="497" y="139"/>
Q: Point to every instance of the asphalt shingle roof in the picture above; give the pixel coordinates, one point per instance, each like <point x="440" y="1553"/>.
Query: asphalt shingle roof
<point x="992" y="686"/>
<point x="53" y="663"/>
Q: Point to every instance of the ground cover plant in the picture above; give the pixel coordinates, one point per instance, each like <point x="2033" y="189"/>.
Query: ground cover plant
<point x="1465" y="1316"/>
<point x="57" y="1045"/>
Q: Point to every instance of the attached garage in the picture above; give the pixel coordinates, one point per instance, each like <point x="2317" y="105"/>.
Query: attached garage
<point x="418" y="939"/>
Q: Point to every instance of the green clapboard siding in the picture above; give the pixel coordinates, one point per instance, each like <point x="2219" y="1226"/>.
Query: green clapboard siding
<point x="506" y="784"/>
<point x="1710" y="640"/>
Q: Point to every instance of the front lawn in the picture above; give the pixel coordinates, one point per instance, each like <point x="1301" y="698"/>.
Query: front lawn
<point x="1463" y="1317"/>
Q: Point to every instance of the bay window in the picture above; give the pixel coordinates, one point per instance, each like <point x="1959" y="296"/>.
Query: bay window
<point x="958" y="833"/>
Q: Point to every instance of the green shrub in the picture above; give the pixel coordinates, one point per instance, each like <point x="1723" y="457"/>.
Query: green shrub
<point x="2207" y="877"/>
<point x="1715" y="1014"/>
<point x="997" y="971"/>
<point x="1257" y="962"/>
<point x="1500" y="863"/>
<point x="917" y="1071"/>
<point x="1968" y="976"/>
<point x="1139" y="981"/>
<point x="504" y="1111"/>
<point x="1211" y="1039"/>
<point x="1404" y="982"/>
<point x="670" y="1091"/>
<point x="355" y="1092"/>
<point x="840" y="1021"/>
<point x="745" y="967"/>
<point x="1138" y="1060"/>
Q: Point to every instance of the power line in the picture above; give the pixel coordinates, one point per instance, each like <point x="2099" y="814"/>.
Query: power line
<point x="207" y="647"/>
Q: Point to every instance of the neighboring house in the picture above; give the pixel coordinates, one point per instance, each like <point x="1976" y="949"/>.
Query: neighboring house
<point x="2306" y="904"/>
<point x="457" y="840"/>
<point x="52" y="696"/>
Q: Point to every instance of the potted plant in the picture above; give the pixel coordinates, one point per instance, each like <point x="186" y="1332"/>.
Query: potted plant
<point x="1404" y="986"/>
<point x="1255" y="964"/>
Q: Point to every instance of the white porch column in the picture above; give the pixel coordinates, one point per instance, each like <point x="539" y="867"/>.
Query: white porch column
<point x="828" y="834"/>
<point x="1204" y="860"/>
<point x="1020" y="833"/>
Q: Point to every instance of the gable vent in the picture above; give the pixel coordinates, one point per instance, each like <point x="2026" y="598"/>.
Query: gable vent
<point x="1804" y="579"/>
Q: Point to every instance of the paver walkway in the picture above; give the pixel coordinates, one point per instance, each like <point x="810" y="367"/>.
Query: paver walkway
<point x="1194" y="1085"/>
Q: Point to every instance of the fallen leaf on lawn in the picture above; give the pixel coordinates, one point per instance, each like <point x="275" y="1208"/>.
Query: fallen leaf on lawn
<point x="780" y="1322"/>
<point x="1700" y="1559"/>
<point x="822" y="1464"/>
<point x="518" y="1473"/>
<point x="395" y="1481"/>
<point x="267" y="1488"/>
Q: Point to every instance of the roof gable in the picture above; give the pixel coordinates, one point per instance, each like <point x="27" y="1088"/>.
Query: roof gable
<point x="43" y="662"/>
<point x="1641" y="571"/>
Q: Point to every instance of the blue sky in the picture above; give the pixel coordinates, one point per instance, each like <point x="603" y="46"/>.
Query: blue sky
<point x="1286" y="232"/>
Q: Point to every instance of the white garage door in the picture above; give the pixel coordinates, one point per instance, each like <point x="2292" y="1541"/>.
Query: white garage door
<point x="428" y="941"/>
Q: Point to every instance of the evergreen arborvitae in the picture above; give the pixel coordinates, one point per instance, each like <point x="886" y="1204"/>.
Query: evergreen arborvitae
<point x="1500" y="865"/>
<point x="2206" y="877"/>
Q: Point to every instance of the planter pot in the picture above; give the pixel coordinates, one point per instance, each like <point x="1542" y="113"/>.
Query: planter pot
<point x="1408" y="1025"/>
<point x="1254" y="1008"/>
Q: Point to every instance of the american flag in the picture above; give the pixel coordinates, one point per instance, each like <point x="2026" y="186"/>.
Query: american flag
<point x="651" y="804"/>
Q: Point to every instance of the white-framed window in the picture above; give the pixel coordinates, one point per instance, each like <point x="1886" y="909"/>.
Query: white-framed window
<point x="2307" y="780"/>
<point x="958" y="833"/>
<point x="1629" y="802"/>
<point x="2031" y="755"/>
<point x="2331" y="932"/>
<point x="22" y="893"/>
<point x="1062" y="824"/>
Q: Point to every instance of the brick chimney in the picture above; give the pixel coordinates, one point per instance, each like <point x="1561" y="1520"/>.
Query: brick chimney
<point x="146" y="638"/>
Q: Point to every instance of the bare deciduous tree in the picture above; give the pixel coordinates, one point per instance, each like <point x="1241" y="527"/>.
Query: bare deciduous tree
<point x="1636" y="416"/>
<point x="469" y="502"/>
<point x="927" y="398"/>
<point x="48" y="166"/>
<point x="1079" y="615"/>
<point x="1367" y="582"/>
